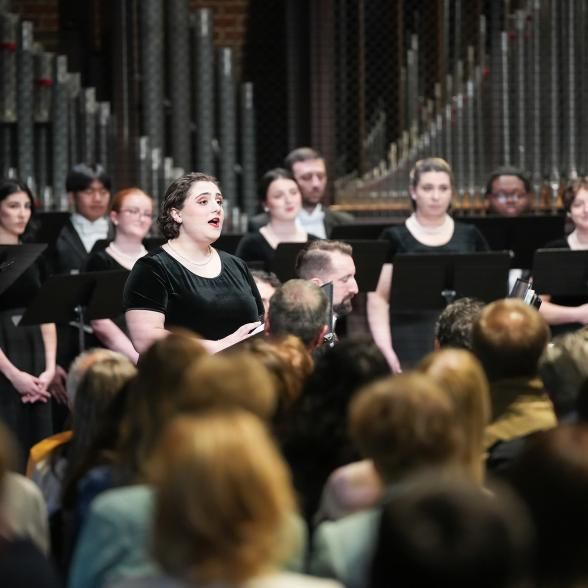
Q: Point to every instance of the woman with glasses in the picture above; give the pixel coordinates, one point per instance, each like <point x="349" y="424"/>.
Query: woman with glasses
<point x="429" y="229"/>
<point x="131" y="214"/>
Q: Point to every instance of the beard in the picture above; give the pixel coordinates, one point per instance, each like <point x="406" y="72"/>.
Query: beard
<point x="343" y="308"/>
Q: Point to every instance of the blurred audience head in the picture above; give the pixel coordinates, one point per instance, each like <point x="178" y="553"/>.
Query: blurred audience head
<point x="508" y="338"/>
<point x="405" y="424"/>
<point x="551" y="477"/>
<point x="228" y="382"/>
<point x="223" y="500"/>
<point x="451" y="535"/>
<point x="454" y="325"/>
<point x="563" y="368"/>
<point x="462" y="379"/>
<point x="298" y="308"/>
<point x="154" y="396"/>
<point x="266" y="283"/>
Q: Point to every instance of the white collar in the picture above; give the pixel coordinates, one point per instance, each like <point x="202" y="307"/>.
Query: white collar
<point x="81" y="221"/>
<point x="317" y="212"/>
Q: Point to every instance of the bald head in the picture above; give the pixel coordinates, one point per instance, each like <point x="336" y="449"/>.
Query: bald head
<point x="508" y="338"/>
<point x="299" y="308"/>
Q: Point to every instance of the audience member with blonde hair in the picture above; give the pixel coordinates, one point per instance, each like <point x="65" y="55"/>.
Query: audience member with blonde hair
<point x="223" y="505"/>
<point x="47" y="459"/>
<point x="23" y="526"/>
<point x="154" y="398"/>
<point x="462" y="379"/>
<point x="115" y="542"/>
<point x="406" y="426"/>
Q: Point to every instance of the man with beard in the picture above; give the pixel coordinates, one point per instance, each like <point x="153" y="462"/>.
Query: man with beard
<point x="309" y="169"/>
<point x="325" y="261"/>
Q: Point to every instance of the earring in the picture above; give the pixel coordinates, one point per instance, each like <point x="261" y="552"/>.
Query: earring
<point x="265" y="209"/>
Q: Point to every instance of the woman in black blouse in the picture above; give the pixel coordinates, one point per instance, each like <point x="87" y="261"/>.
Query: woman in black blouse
<point x="27" y="354"/>
<point x="186" y="282"/>
<point x="282" y="202"/>
<point x="429" y="229"/>
<point x="568" y="313"/>
<point x="132" y="215"/>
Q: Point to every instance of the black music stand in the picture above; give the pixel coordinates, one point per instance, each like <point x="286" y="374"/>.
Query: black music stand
<point x="283" y="263"/>
<point x="228" y="242"/>
<point x="359" y="230"/>
<point x="78" y="297"/>
<point x="429" y="282"/>
<point x="521" y="234"/>
<point x="561" y="272"/>
<point x="45" y="227"/>
<point x="368" y="256"/>
<point x="14" y="261"/>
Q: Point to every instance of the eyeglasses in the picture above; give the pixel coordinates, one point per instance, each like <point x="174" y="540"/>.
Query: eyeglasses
<point x="100" y="191"/>
<point x="504" y="196"/>
<point x="137" y="212"/>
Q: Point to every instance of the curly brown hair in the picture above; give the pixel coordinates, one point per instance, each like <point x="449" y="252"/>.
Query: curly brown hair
<point x="175" y="196"/>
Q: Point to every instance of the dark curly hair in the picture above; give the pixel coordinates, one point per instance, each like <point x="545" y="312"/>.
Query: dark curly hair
<point x="175" y="196"/>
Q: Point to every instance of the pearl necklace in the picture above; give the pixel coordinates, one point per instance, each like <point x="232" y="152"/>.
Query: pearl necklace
<point x="575" y="243"/>
<point x="436" y="230"/>
<point x="130" y="259"/>
<point x="189" y="261"/>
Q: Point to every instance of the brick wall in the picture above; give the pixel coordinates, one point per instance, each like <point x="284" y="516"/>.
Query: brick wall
<point x="44" y="15"/>
<point x="230" y="21"/>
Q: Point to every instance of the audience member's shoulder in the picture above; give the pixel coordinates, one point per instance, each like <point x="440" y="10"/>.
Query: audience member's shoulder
<point x="350" y="488"/>
<point x="158" y="581"/>
<point x="123" y="501"/>
<point x="291" y="580"/>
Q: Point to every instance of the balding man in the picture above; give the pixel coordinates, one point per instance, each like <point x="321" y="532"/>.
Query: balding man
<point x="299" y="308"/>
<point x="324" y="262"/>
<point x="508" y="338"/>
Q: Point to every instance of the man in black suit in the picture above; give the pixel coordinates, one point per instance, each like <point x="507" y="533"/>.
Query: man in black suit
<point x="89" y="189"/>
<point x="310" y="172"/>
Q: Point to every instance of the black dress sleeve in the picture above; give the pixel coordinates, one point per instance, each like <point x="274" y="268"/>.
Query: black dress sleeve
<point x="391" y="235"/>
<point x="251" y="248"/>
<point x="146" y="287"/>
<point x="557" y="244"/>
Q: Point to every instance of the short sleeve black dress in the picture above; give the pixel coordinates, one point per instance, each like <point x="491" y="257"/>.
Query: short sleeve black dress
<point x="413" y="333"/>
<point x="24" y="347"/>
<point x="211" y="307"/>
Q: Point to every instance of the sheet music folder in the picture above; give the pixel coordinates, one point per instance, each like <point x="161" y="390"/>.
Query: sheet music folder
<point x="561" y="272"/>
<point x="428" y="282"/>
<point x="63" y="297"/>
<point x="14" y="261"/>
